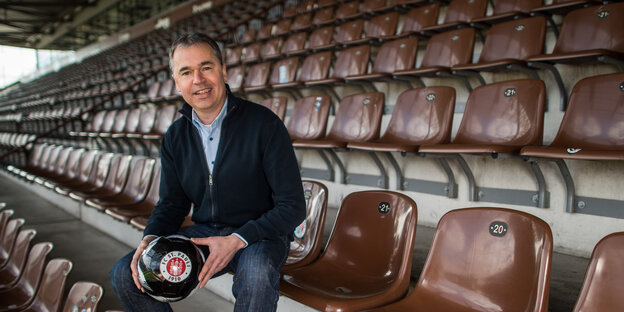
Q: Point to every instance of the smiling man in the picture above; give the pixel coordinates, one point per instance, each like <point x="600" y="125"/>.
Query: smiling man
<point x="233" y="161"/>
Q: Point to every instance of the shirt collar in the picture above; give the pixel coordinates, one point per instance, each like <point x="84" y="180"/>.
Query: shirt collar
<point x="215" y="123"/>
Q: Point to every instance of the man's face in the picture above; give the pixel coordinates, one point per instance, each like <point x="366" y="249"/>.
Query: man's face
<point x="200" y="77"/>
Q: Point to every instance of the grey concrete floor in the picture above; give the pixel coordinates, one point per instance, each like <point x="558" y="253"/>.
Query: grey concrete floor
<point x="93" y="252"/>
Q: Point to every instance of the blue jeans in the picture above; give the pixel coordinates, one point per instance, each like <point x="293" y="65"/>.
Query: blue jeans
<point x="256" y="278"/>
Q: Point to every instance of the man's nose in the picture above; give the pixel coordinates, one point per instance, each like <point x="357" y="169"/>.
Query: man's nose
<point x="198" y="77"/>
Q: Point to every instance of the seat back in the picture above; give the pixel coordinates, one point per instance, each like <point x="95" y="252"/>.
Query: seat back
<point x="165" y="117"/>
<point x="31" y="277"/>
<point x="8" y="239"/>
<point x="98" y="175"/>
<point x="352" y="61"/>
<point x="50" y="294"/>
<point x="139" y="178"/>
<point x="449" y="48"/>
<point x="358" y="118"/>
<point x="251" y="53"/>
<point x="88" y="163"/>
<point x="118" y="173"/>
<point x="307" y="245"/>
<point x="42" y="163"/>
<point x="594" y="115"/>
<point x="235" y="77"/>
<point x="132" y="120"/>
<point x="59" y="166"/>
<point x="308" y="119"/>
<point x="396" y="55"/>
<point x="384" y="25"/>
<point x="517" y="39"/>
<point x="525" y="6"/>
<point x="421" y="17"/>
<point x="167" y="89"/>
<point x="35" y="154"/>
<point x="348" y="9"/>
<point x="233" y="55"/>
<point x="50" y="164"/>
<point x="152" y="91"/>
<point x="322" y="16"/>
<point x="320" y="37"/>
<point x="277" y="105"/>
<point x="15" y="266"/>
<point x="295" y="42"/>
<point x="476" y="252"/>
<point x="120" y="120"/>
<point x="72" y="169"/>
<point x="272" y="47"/>
<point x="109" y="121"/>
<point x="601" y="290"/>
<point x="465" y="10"/>
<point x="4" y="219"/>
<point x="152" y="194"/>
<point x="83" y="296"/>
<point x="284" y="70"/>
<point x="422" y="116"/>
<point x="147" y="118"/>
<point x="264" y="32"/>
<point x="302" y="21"/>
<point x="592" y="28"/>
<point x="249" y="35"/>
<point x="281" y="27"/>
<point x="97" y="121"/>
<point x="349" y="31"/>
<point x="258" y="75"/>
<point x="315" y="66"/>
<point x="385" y="223"/>
<point x="509" y="113"/>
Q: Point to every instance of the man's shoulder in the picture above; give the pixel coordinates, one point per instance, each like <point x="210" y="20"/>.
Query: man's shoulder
<point x="255" y="110"/>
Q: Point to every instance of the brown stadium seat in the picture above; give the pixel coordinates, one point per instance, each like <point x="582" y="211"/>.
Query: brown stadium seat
<point x="604" y="276"/>
<point x="12" y="270"/>
<point x="307" y="245"/>
<point x="164" y="118"/>
<point x="349" y="31"/>
<point x="143" y="208"/>
<point x="167" y="92"/>
<point x="308" y="119"/>
<point x="83" y="296"/>
<point x="350" y="62"/>
<point x="419" y="18"/>
<point x="458" y="14"/>
<point x="595" y="102"/>
<point x="70" y="171"/>
<point x="257" y="77"/>
<point x="251" y="53"/>
<point x="50" y="294"/>
<point x="94" y="126"/>
<point x="132" y="122"/>
<point x="277" y="105"/>
<point x="8" y="239"/>
<point x="233" y="55"/>
<point x="348" y="10"/>
<point x="562" y="7"/>
<point x="506" y="10"/>
<point x="283" y="75"/>
<point x="363" y="271"/>
<point x="289" y="11"/>
<point x="133" y="192"/>
<point x="115" y="181"/>
<point x="146" y="121"/>
<point x="301" y="22"/>
<point x="48" y="160"/>
<point x="324" y="16"/>
<point x="444" y="51"/>
<point x="141" y="222"/>
<point x="500" y="118"/>
<point x="235" y="78"/>
<point x="107" y="124"/>
<point x="57" y="168"/>
<point x="249" y="35"/>
<point x="264" y="32"/>
<point x="507" y="47"/>
<point x="294" y="44"/>
<point x="474" y="255"/>
<point x="96" y="177"/>
<point x="4" y="219"/>
<point x="271" y="49"/>
<point x="282" y="27"/>
<point x="321" y="39"/>
<point x="589" y="35"/>
<point x="152" y="93"/>
<point x="87" y="162"/>
<point x="395" y="55"/>
<point x="420" y="116"/>
<point x="23" y="292"/>
<point x="35" y="158"/>
<point x="381" y="27"/>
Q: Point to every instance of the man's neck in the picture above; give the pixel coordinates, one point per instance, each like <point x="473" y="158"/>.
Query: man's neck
<point x="208" y="117"/>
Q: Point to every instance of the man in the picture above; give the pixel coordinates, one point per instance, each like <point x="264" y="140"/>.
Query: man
<point x="233" y="161"/>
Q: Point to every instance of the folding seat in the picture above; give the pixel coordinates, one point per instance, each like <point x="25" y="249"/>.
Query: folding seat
<point x="590" y="35"/>
<point x="499" y="118"/>
<point x="277" y="105"/>
<point x="324" y="16"/>
<point x="57" y="168"/>
<point x="34" y="159"/>
<point x="458" y="14"/>
<point x="289" y="11"/>
<point x="115" y="181"/>
<point x="80" y="175"/>
<point x="272" y="48"/>
<point x="168" y="92"/>
<point x="326" y="3"/>
<point x="248" y="36"/>
<point x="507" y="46"/>
<point x="164" y="118"/>
<point x="233" y="55"/>
<point x="251" y="53"/>
<point x="107" y="123"/>
<point x="135" y="189"/>
<point x="8" y="239"/>
<point x="281" y="28"/>
<point x="126" y="212"/>
<point x="348" y="10"/>
<point x="350" y="62"/>
<point x="395" y="55"/>
<point x="308" y="119"/>
<point x="294" y="44"/>
<point x="68" y="172"/>
<point x="461" y="273"/>
<point x="307" y="245"/>
<point x="419" y="18"/>
<point x="83" y="296"/>
<point x="257" y="78"/>
<point x="152" y="92"/>
<point x="302" y="22"/>
<point x="23" y="292"/>
<point x="358" y="119"/>
<point x="96" y="179"/>
<point x="589" y="129"/>
<point x="96" y="124"/>
<point x="4" y="218"/>
<point x="12" y="270"/>
<point x="349" y="31"/>
<point x="118" y="125"/>
<point x="235" y="78"/>
<point x="264" y="32"/>
<point x="321" y="39"/>
<point x="444" y="51"/>
<point x="506" y="10"/>
<point x="420" y="117"/>
<point x="603" y="279"/>
<point x="47" y="166"/>
<point x="50" y="294"/>
<point x="378" y="29"/>
<point x="363" y="271"/>
<point x="562" y="7"/>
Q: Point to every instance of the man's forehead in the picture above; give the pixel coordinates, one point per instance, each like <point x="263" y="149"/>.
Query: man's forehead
<point x="194" y="55"/>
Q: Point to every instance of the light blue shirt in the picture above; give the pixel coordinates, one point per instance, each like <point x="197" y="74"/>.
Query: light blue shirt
<point x="210" y="137"/>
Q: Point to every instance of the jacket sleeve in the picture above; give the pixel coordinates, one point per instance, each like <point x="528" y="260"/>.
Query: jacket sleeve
<point x="282" y="174"/>
<point x="173" y="205"/>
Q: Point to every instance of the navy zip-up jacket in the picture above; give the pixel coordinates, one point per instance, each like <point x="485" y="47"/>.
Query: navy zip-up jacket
<point x="255" y="187"/>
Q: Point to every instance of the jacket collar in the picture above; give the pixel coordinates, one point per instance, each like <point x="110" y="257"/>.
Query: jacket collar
<point x="187" y="110"/>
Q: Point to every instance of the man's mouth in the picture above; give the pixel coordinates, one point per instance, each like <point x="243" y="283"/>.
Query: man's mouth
<point x="204" y="91"/>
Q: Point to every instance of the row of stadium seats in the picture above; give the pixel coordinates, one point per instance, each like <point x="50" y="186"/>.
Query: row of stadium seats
<point x="30" y="283"/>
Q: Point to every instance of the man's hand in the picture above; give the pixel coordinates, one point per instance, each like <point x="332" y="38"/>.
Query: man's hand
<point x="222" y="250"/>
<point x="135" y="260"/>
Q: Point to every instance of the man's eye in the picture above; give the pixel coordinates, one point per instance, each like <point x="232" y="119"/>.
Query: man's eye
<point x="184" y="73"/>
<point x="206" y="68"/>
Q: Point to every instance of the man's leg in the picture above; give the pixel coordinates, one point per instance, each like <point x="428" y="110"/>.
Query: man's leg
<point x="256" y="281"/>
<point x="131" y="297"/>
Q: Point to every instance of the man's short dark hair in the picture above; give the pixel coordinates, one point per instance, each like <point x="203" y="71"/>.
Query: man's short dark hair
<point x="194" y="38"/>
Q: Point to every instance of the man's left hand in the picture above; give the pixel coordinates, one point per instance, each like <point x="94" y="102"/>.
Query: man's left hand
<point x="222" y="250"/>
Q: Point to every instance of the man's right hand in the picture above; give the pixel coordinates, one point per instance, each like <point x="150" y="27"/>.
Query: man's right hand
<point x="135" y="260"/>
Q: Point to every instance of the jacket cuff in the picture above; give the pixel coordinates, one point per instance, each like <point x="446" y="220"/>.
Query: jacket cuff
<point x="248" y="233"/>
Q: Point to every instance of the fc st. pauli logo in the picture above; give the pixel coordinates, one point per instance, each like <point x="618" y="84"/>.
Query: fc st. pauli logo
<point x="175" y="266"/>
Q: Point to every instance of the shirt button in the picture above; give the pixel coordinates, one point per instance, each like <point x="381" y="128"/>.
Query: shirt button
<point x="210" y="139"/>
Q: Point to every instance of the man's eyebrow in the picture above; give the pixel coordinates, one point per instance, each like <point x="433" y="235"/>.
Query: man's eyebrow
<point x="200" y="64"/>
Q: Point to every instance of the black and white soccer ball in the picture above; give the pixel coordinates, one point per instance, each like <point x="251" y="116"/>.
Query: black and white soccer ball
<point x="169" y="266"/>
